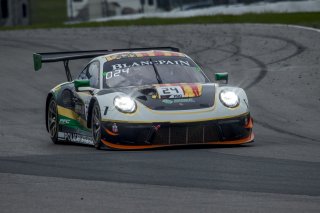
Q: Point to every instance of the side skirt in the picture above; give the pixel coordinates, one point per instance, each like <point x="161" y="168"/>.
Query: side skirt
<point x="75" y="138"/>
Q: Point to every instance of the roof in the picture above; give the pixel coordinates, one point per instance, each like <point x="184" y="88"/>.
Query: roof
<point x="139" y="54"/>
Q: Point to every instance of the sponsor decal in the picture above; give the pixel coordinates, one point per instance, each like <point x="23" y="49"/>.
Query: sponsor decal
<point x="114" y="128"/>
<point x="120" y="69"/>
<point x="167" y="101"/>
<point x="156" y="128"/>
<point x="186" y="100"/>
<point x="64" y="121"/>
<point x="148" y="62"/>
<point x="142" y="54"/>
<point x="74" y="137"/>
<point x="73" y="129"/>
<point x="121" y="55"/>
<point x="192" y="90"/>
<point x="75" y="119"/>
<point x="178" y="101"/>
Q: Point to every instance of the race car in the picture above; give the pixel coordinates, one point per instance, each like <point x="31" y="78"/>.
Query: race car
<point x="144" y="98"/>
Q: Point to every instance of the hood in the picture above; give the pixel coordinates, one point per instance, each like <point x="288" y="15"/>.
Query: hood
<point x="182" y="96"/>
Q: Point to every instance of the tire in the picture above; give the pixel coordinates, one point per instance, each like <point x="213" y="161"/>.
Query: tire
<point x="52" y="120"/>
<point x="96" y="126"/>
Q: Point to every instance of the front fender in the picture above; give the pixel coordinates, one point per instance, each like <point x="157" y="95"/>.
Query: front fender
<point x="91" y="104"/>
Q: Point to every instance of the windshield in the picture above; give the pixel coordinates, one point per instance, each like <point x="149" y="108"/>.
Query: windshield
<point x="139" y="71"/>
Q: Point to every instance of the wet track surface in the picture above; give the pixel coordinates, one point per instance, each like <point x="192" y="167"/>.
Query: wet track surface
<point x="277" y="65"/>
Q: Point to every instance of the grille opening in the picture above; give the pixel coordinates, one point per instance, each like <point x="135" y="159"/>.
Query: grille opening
<point x="178" y="135"/>
<point x="181" y="133"/>
<point x="233" y="131"/>
<point x="211" y="133"/>
<point x="195" y="134"/>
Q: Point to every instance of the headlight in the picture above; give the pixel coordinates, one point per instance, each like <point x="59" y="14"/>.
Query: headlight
<point x="125" y="104"/>
<point x="229" y="98"/>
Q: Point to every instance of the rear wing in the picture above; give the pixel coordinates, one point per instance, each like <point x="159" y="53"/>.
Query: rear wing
<point x="65" y="57"/>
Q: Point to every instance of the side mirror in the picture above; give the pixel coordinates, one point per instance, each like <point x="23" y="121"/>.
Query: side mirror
<point x="82" y="85"/>
<point x="222" y="76"/>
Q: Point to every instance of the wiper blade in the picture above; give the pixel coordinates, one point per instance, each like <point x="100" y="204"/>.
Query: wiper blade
<point x="156" y="71"/>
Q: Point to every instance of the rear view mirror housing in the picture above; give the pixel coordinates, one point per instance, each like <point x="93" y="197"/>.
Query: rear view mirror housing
<point x="222" y="76"/>
<point x="78" y="84"/>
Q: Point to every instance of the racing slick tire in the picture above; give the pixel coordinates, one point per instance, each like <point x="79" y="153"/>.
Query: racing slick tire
<point x="96" y="125"/>
<point x="52" y="120"/>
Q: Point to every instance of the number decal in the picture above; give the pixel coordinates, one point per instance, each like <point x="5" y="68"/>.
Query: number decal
<point x="108" y="75"/>
<point x="166" y="91"/>
<point x="126" y="70"/>
<point x="175" y="90"/>
<point x="115" y="73"/>
<point x="170" y="92"/>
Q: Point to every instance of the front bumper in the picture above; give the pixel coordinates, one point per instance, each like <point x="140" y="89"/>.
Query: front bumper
<point x="123" y="135"/>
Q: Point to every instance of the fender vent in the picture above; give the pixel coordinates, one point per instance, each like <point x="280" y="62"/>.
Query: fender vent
<point x="67" y="98"/>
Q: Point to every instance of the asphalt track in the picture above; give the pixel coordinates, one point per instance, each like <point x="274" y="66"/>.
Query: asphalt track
<point x="280" y="172"/>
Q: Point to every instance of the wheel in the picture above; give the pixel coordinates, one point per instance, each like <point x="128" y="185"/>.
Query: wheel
<point x="52" y="120"/>
<point x="96" y="126"/>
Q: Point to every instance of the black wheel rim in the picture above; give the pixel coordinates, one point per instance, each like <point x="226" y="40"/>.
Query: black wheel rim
<point x="96" y="127"/>
<point x="52" y="119"/>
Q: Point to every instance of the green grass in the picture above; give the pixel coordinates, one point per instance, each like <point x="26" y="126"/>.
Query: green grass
<point x="304" y="19"/>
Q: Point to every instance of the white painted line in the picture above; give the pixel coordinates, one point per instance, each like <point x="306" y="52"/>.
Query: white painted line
<point x="284" y="25"/>
<point x="305" y="28"/>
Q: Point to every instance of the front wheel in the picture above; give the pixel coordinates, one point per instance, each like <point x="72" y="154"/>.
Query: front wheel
<point x="96" y="126"/>
<point x="52" y="120"/>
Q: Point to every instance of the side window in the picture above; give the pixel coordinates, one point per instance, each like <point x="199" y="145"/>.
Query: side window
<point x="83" y="74"/>
<point x="93" y="74"/>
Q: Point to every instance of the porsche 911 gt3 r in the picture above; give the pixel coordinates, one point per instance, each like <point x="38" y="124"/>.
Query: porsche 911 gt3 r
<point x="143" y="98"/>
